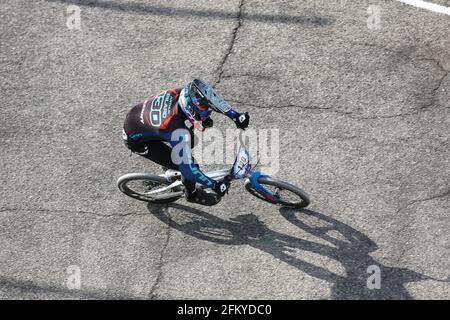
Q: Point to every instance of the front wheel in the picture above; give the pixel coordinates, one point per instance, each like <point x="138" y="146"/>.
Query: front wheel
<point x="279" y="192"/>
<point x="145" y="187"/>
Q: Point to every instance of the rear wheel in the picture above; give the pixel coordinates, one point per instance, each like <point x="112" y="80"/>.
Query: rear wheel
<point x="145" y="186"/>
<point x="283" y="193"/>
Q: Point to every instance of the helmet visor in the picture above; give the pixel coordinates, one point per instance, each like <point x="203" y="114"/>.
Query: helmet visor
<point x="200" y="111"/>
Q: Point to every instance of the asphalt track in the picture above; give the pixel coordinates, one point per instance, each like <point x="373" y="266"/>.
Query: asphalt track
<point x="364" y="121"/>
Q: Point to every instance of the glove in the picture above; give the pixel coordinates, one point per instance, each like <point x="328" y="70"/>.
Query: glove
<point x="207" y="123"/>
<point x="221" y="188"/>
<point x="242" y="120"/>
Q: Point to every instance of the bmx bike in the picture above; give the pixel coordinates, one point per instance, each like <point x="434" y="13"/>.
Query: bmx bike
<point x="167" y="187"/>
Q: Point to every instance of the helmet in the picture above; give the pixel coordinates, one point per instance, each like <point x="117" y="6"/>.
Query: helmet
<point x="198" y="93"/>
<point x="194" y="104"/>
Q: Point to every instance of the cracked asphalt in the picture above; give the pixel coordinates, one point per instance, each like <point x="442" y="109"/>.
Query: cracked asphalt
<point x="363" y="115"/>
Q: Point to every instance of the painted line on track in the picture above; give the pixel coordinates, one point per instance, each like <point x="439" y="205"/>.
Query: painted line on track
<point x="427" y="5"/>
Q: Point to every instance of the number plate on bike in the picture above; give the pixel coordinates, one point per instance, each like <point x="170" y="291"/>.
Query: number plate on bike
<point x="241" y="165"/>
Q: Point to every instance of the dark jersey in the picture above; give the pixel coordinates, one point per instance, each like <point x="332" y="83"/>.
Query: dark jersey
<point x="155" y="117"/>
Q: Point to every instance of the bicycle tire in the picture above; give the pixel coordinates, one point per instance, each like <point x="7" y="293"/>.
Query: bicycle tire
<point x="123" y="180"/>
<point x="305" y="201"/>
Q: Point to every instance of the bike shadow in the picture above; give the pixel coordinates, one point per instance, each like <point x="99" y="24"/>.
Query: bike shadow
<point x="351" y="248"/>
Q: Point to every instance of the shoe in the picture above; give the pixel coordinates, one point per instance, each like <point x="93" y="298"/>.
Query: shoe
<point x="202" y="197"/>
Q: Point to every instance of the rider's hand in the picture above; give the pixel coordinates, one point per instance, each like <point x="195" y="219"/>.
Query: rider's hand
<point x="207" y="123"/>
<point x="221" y="188"/>
<point x="242" y="120"/>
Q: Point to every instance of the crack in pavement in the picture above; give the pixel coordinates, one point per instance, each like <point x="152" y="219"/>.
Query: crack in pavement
<point x="271" y="106"/>
<point x="252" y="75"/>
<point x="161" y="262"/>
<point x="220" y="68"/>
<point x="161" y="259"/>
<point x="91" y="213"/>
<point x="413" y="59"/>
<point x="441" y="195"/>
<point x="349" y="114"/>
<point x="439" y="84"/>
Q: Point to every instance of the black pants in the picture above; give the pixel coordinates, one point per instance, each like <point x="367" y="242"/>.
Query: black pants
<point x="160" y="153"/>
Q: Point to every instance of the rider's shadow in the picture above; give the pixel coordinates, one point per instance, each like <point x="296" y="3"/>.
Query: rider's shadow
<point x="351" y="250"/>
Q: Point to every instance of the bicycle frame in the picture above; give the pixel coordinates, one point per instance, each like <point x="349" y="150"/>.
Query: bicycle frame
<point x="172" y="174"/>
